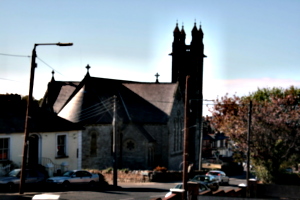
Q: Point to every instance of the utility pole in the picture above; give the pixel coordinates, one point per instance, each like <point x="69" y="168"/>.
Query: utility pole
<point x="248" y="149"/>
<point x="28" y="111"/>
<point x="200" y="131"/>
<point x="115" y="170"/>
<point x="27" y="121"/>
<point x="186" y="138"/>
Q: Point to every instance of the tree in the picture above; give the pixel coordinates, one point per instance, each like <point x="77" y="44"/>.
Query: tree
<point x="275" y="127"/>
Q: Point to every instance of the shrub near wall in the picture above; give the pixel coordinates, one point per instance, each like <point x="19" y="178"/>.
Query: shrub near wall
<point x="168" y="176"/>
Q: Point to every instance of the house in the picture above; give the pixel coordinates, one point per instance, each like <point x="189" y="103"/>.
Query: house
<point x="52" y="140"/>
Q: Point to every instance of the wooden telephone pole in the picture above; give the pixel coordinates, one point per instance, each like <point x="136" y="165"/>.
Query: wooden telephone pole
<point x="186" y="139"/>
<point x="115" y="169"/>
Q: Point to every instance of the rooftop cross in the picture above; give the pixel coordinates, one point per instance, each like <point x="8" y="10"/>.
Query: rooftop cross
<point x="88" y="67"/>
<point x="157" y="75"/>
<point x="52" y="75"/>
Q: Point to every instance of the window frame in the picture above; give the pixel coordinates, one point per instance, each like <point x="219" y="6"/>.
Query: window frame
<point x="8" y="148"/>
<point x="65" y="145"/>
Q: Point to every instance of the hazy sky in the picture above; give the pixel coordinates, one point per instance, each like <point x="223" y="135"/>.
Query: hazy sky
<point x="249" y="44"/>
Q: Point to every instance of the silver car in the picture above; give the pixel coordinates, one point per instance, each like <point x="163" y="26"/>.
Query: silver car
<point x="220" y="176"/>
<point x="11" y="181"/>
<point x="73" y="178"/>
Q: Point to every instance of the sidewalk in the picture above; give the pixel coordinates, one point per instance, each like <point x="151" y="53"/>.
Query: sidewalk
<point x="16" y="196"/>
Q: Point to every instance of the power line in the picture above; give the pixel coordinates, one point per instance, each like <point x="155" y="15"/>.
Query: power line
<point x="14" y="55"/>
<point x="49" y="65"/>
<point x="8" y="79"/>
<point x="5" y="54"/>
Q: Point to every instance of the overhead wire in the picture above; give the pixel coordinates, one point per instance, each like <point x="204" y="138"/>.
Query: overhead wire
<point x="6" y="54"/>
<point x="14" y="55"/>
<point x="94" y="112"/>
<point x="49" y="66"/>
<point x="96" y="109"/>
<point x="8" y="79"/>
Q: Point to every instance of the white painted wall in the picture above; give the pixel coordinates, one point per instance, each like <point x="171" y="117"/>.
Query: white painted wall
<point x="16" y="146"/>
<point x="47" y="147"/>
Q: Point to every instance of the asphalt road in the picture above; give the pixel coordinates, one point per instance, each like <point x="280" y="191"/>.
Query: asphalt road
<point x="124" y="191"/>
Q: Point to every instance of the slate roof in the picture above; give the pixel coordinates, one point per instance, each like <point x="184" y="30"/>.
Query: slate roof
<point x="57" y="94"/>
<point x="41" y="121"/>
<point x="91" y="102"/>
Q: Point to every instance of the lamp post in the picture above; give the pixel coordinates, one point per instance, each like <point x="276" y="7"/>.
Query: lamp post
<point x="28" y="111"/>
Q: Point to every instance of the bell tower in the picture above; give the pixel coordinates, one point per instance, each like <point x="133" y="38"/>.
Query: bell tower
<point x="188" y="60"/>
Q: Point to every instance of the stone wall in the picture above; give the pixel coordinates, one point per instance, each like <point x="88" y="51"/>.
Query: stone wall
<point x="102" y="158"/>
<point x="138" y="147"/>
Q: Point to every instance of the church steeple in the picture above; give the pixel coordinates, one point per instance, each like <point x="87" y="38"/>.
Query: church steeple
<point x="182" y="36"/>
<point x="187" y="59"/>
<point x="195" y="30"/>
<point x="201" y="32"/>
<point x="176" y="34"/>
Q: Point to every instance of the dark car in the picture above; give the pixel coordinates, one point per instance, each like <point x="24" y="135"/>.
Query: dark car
<point x="11" y="181"/>
<point x="209" y="180"/>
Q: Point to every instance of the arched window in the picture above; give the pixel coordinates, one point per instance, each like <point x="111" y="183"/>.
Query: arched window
<point x="93" y="144"/>
<point x="150" y="157"/>
<point x="178" y="133"/>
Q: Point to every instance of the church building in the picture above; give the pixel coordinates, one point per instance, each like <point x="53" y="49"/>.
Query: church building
<point x="148" y="116"/>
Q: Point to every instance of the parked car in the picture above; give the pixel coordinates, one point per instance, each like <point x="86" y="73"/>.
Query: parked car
<point x="73" y="178"/>
<point x="220" y="176"/>
<point x="202" y="187"/>
<point x="210" y="180"/>
<point x="11" y="181"/>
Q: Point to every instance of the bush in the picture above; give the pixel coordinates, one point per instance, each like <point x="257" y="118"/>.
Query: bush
<point x="160" y="169"/>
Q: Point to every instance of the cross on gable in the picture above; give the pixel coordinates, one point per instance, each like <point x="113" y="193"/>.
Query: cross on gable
<point x="157" y="75"/>
<point x="88" y="67"/>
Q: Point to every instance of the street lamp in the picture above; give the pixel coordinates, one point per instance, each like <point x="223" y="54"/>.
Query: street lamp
<point x="28" y="112"/>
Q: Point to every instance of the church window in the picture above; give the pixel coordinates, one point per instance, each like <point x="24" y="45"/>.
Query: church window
<point x="178" y="133"/>
<point x="150" y="156"/>
<point x="93" y="146"/>
<point x="4" y="149"/>
<point x="175" y="135"/>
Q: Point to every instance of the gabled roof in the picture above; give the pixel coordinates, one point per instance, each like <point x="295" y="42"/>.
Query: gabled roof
<point x="91" y="101"/>
<point x="57" y="94"/>
<point x="160" y="95"/>
<point x="41" y="121"/>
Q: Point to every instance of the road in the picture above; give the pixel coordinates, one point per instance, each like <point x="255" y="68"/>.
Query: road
<point x="125" y="191"/>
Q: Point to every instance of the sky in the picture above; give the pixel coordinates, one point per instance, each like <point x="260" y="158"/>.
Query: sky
<point x="248" y="44"/>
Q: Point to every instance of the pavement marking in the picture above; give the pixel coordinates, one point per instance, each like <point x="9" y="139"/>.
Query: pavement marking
<point x="45" y="197"/>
